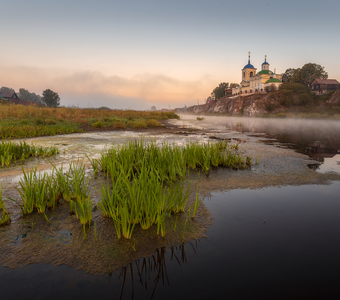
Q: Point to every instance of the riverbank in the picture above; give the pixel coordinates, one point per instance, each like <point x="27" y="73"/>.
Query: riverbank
<point x="34" y="240"/>
<point x="269" y="105"/>
<point x="18" y="121"/>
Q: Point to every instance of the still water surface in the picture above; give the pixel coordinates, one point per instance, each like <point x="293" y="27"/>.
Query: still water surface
<point x="274" y="243"/>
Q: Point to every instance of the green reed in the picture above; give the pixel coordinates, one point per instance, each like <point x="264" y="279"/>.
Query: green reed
<point x="40" y="191"/>
<point x="12" y="152"/>
<point x="4" y="215"/>
<point x="37" y="191"/>
<point x="26" y="131"/>
<point x="148" y="180"/>
<point x="141" y="198"/>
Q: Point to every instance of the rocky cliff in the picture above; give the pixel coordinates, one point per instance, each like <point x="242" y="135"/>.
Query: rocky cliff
<point x="249" y="106"/>
<point x="335" y="98"/>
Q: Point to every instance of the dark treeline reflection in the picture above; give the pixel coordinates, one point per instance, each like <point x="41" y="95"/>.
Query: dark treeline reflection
<point x="151" y="271"/>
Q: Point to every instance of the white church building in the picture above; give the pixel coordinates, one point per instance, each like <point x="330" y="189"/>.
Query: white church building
<point x="253" y="83"/>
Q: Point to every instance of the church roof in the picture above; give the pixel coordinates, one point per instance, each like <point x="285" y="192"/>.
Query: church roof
<point x="249" y="66"/>
<point x="264" y="72"/>
<point x="265" y="63"/>
<point x="273" y="80"/>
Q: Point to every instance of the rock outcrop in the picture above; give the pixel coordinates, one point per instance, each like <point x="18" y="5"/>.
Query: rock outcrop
<point x="249" y="106"/>
<point x="335" y="98"/>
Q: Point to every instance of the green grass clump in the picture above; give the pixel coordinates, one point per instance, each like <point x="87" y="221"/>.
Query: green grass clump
<point x="26" y="131"/>
<point x="137" y="124"/>
<point x="153" y="123"/>
<point x="40" y="191"/>
<point x="97" y="124"/>
<point x="200" y="118"/>
<point x="146" y="184"/>
<point x="147" y="181"/>
<point x="4" y="215"/>
<point x="11" y="152"/>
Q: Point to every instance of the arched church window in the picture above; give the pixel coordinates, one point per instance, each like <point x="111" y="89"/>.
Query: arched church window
<point x="244" y="74"/>
<point x="251" y="74"/>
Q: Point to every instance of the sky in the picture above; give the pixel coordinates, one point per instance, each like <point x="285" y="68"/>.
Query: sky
<point x="139" y="53"/>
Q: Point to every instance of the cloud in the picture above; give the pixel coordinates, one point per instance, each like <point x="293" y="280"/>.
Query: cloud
<point x="149" y="88"/>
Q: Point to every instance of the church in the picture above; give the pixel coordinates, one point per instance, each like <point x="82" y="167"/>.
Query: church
<point x="253" y="83"/>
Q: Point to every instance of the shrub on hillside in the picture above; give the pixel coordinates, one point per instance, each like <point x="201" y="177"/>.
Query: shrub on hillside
<point x="269" y="106"/>
<point x="304" y="99"/>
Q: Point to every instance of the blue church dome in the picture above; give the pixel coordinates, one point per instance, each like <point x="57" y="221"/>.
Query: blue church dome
<point x="249" y="65"/>
<point x="265" y="60"/>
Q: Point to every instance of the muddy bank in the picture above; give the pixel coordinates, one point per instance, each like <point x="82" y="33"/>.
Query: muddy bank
<point x="31" y="239"/>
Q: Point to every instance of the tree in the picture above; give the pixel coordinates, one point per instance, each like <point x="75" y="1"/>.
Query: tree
<point x="50" y="98"/>
<point x="153" y="107"/>
<point x="5" y="88"/>
<point x="233" y="85"/>
<point x="308" y="73"/>
<point x="219" y="91"/>
<point x="287" y="76"/>
<point x="24" y="94"/>
<point x="28" y="96"/>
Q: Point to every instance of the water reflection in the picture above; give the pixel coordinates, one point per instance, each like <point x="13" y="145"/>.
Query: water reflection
<point x="319" y="139"/>
<point x="152" y="271"/>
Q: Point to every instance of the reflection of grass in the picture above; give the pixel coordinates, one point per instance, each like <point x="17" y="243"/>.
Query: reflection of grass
<point x="18" y="121"/>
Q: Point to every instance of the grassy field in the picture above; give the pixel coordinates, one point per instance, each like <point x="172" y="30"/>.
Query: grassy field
<point x="18" y="121"/>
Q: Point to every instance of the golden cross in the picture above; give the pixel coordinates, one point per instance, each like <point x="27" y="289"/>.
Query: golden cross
<point x="249" y="53"/>
<point x="265" y="57"/>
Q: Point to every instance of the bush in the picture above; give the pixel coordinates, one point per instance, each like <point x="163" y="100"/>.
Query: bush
<point x="97" y="124"/>
<point x="137" y="124"/>
<point x="200" y="119"/>
<point x="269" y="106"/>
<point x="288" y="102"/>
<point x="304" y="99"/>
<point x="153" y="123"/>
<point x="39" y="121"/>
<point x="294" y="87"/>
<point x="50" y="122"/>
<point x="119" y="124"/>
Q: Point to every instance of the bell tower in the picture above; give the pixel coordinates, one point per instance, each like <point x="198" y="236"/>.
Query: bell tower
<point x="265" y="65"/>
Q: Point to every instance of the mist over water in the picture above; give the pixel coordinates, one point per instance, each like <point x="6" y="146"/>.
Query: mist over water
<point x="319" y="139"/>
